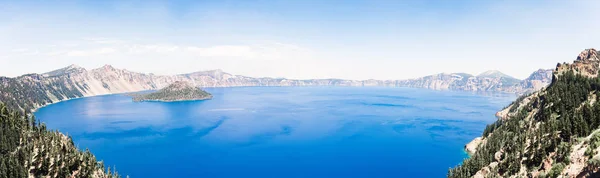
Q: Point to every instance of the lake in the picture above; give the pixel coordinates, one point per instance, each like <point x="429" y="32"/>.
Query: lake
<point x="280" y="131"/>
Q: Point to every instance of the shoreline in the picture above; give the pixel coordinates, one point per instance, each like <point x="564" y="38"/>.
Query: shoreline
<point x="55" y="102"/>
<point x="171" y="101"/>
<point x="483" y="93"/>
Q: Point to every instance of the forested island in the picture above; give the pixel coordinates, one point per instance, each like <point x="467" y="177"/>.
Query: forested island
<point x="177" y="91"/>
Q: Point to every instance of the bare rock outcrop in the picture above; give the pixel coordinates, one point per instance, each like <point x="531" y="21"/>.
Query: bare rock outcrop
<point x="471" y="147"/>
<point x="588" y="55"/>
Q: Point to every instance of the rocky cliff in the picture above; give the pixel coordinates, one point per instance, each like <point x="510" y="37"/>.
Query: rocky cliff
<point x="549" y="133"/>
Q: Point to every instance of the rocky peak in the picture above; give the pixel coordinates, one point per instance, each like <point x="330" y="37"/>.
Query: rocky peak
<point x="586" y="64"/>
<point x="216" y="74"/>
<point x="73" y="66"/>
<point x="493" y="74"/>
<point x="490" y="72"/>
<point x="541" y="74"/>
<point x="65" y="71"/>
<point x="108" y="67"/>
<point x="588" y="55"/>
<point x="216" y="71"/>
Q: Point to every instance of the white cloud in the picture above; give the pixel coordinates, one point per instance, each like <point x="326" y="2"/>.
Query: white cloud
<point x="224" y="51"/>
<point x="103" y="40"/>
<point x="90" y="52"/>
<point x="150" y="48"/>
<point x="262" y="51"/>
<point x="259" y="59"/>
<point x="20" y="50"/>
<point x="24" y="51"/>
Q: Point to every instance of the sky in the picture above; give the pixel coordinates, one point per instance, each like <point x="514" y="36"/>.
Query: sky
<point x="301" y="39"/>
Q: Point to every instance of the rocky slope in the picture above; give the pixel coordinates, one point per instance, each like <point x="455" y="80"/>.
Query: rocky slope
<point x="549" y="133"/>
<point x="177" y="91"/>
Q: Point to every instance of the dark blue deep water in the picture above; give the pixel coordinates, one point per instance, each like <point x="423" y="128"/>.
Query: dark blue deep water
<point x="280" y="131"/>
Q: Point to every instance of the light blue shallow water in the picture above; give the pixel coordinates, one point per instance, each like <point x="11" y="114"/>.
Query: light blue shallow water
<point x="280" y="131"/>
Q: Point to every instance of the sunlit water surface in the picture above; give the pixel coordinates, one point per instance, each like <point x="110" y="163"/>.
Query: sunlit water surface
<point x="280" y="131"/>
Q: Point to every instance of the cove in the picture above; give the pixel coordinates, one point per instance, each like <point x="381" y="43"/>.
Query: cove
<point x="280" y="131"/>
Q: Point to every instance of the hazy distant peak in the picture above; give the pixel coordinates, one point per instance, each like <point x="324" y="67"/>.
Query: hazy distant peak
<point x="217" y="74"/>
<point x="493" y="74"/>
<point x="216" y="71"/>
<point x="66" y="70"/>
<point x="74" y="66"/>
<point x="541" y="74"/>
<point x="107" y="66"/>
<point x="490" y="72"/>
<point x="463" y="74"/>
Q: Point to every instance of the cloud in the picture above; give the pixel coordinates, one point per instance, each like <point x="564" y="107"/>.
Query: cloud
<point x="90" y="52"/>
<point x="20" y="50"/>
<point x="150" y="48"/>
<point x="268" y="51"/>
<point x="103" y="40"/>
<point x="122" y="48"/>
<point x="24" y="51"/>
<point x="224" y="51"/>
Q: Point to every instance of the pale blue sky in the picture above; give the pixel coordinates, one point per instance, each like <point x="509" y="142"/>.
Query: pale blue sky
<point x="353" y="39"/>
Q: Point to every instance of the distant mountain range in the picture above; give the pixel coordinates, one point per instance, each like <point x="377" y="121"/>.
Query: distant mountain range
<point x="74" y="81"/>
<point x="490" y="81"/>
<point x="106" y="80"/>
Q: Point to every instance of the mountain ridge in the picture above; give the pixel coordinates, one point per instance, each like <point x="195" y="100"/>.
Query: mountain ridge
<point x="219" y="74"/>
<point x="216" y="72"/>
<point x="74" y="82"/>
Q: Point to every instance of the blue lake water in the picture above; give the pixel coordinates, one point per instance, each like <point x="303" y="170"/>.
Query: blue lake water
<point x="280" y="131"/>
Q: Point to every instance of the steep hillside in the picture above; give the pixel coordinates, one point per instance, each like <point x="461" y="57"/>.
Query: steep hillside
<point x="31" y="91"/>
<point x="27" y="149"/>
<point x="549" y="133"/>
<point x="178" y="91"/>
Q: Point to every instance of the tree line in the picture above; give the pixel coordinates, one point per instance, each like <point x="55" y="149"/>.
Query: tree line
<point x="567" y="109"/>
<point x="27" y="148"/>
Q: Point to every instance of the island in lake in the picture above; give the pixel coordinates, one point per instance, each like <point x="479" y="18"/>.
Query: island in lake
<point x="177" y="91"/>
